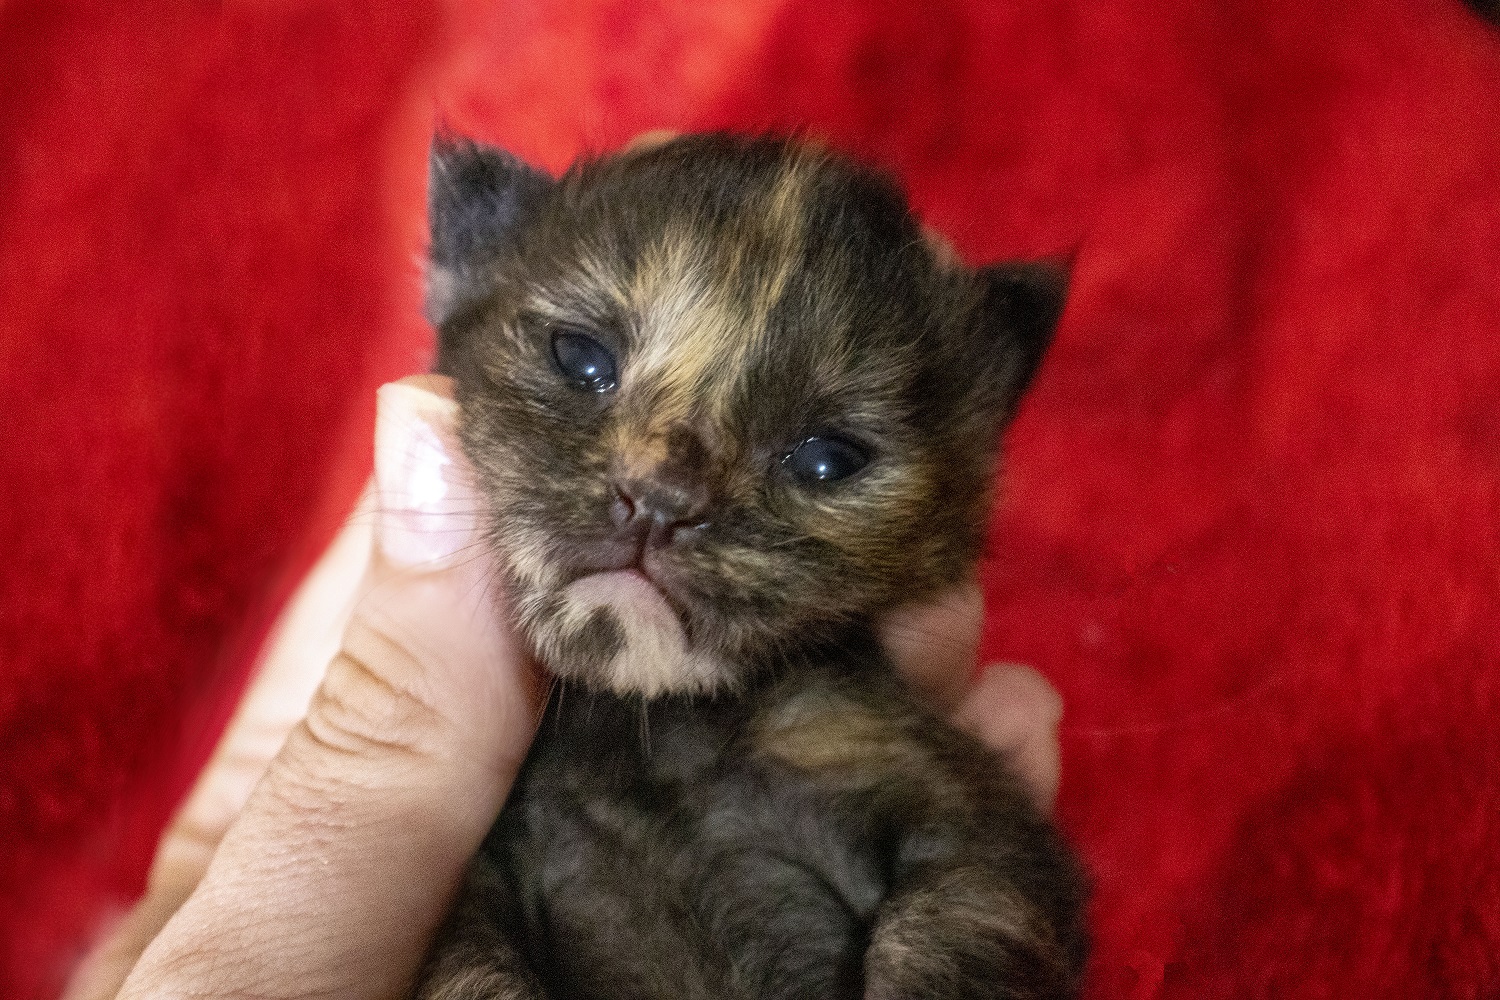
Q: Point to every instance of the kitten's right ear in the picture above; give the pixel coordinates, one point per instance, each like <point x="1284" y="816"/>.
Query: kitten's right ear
<point x="478" y="200"/>
<point x="1021" y="306"/>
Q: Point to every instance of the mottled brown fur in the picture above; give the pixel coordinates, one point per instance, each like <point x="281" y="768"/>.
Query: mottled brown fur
<point x="750" y="805"/>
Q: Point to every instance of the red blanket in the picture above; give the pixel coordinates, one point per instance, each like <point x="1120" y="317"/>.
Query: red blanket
<point x="1252" y="528"/>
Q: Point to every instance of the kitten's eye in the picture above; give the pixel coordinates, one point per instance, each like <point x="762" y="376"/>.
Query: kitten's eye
<point x="824" y="460"/>
<point x="584" y="361"/>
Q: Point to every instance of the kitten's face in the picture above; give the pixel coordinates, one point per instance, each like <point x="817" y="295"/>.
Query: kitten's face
<point x="722" y="398"/>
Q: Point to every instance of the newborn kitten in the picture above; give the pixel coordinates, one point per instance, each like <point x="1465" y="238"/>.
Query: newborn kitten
<point x="726" y="405"/>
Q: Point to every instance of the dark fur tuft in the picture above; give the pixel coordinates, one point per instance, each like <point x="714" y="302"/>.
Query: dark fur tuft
<point x="1487" y="9"/>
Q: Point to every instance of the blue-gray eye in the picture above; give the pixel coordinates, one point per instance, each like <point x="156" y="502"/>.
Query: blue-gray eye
<point x="824" y="460"/>
<point x="584" y="361"/>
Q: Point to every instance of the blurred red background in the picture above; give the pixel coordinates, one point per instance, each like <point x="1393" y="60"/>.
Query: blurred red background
<point x="1253" y="519"/>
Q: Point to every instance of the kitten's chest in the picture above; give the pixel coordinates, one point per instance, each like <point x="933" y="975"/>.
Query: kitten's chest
<point x="667" y="850"/>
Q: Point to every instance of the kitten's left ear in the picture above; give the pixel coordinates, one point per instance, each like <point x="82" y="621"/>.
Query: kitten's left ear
<point x="1018" y="315"/>
<point x="478" y="200"/>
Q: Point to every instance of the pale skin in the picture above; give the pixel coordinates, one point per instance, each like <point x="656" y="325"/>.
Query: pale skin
<point x="323" y="842"/>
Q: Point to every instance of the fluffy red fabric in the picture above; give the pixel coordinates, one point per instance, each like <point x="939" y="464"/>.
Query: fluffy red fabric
<point x="1253" y="520"/>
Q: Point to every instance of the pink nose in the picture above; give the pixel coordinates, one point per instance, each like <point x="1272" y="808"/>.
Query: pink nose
<point x="662" y="486"/>
<point x="672" y="493"/>
<point x="653" y="514"/>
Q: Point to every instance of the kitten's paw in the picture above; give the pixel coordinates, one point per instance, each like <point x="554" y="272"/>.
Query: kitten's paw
<point x="476" y="984"/>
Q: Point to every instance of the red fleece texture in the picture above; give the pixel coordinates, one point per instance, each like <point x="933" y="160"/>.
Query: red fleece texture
<point x="1252" y="522"/>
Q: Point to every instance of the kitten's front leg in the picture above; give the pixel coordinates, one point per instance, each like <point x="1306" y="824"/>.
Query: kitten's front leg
<point x="959" y="928"/>
<point x="982" y="899"/>
<point x="985" y="899"/>
<point x="474" y="957"/>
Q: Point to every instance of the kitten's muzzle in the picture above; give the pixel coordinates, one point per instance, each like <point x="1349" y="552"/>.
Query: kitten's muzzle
<point x="651" y="519"/>
<point x="662" y="489"/>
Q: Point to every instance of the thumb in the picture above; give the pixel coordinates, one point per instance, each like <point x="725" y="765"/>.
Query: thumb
<point x="345" y="858"/>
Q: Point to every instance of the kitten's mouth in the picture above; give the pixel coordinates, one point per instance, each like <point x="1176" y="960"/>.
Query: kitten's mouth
<point x="636" y="584"/>
<point x="621" y="560"/>
<point x="630" y="592"/>
<point x="633" y="639"/>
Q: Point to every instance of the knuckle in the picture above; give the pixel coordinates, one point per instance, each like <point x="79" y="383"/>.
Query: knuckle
<point x="373" y="699"/>
<point x="217" y="961"/>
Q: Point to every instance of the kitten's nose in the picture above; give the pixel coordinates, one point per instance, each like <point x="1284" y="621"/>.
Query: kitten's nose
<point x="663" y="487"/>
<point x="652" y="514"/>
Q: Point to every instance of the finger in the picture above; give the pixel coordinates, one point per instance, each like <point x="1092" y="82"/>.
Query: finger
<point x="650" y="140"/>
<point x="345" y="858"/>
<point x="1013" y="709"/>
<point x="301" y="644"/>
<point x="935" y="645"/>
<point x="304" y="639"/>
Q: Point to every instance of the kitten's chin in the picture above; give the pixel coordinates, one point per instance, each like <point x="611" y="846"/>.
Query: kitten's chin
<point x="616" y="631"/>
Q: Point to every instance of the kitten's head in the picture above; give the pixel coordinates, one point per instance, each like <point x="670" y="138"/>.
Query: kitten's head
<point x="724" y="398"/>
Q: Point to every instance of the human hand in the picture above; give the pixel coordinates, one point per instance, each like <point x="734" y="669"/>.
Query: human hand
<point x="323" y="842"/>
<point x="1009" y="707"/>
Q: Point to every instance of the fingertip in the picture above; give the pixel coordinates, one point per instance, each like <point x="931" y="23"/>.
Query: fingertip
<point x="1015" y="711"/>
<point x="427" y="510"/>
<point x="649" y="140"/>
<point x="1018" y="688"/>
<point x="430" y="383"/>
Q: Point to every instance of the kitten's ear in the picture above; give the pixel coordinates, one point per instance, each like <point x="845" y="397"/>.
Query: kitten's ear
<point x="1018" y="315"/>
<point x="478" y="200"/>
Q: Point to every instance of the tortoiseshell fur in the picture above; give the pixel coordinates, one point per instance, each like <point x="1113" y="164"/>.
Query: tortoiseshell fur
<point x="751" y="806"/>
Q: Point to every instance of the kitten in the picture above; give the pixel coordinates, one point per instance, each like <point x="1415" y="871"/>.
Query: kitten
<point x="726" y="405"/>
